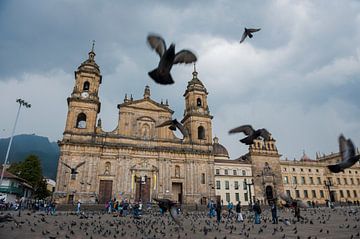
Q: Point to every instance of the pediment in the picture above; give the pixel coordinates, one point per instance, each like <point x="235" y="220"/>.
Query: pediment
<point x="147" y="104"/>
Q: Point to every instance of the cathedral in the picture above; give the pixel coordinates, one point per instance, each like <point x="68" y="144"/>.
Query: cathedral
<point x="140" y="161"/>
<point x="137" y="160"/>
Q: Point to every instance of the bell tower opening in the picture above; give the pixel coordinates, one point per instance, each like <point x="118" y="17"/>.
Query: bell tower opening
<point x="81" y="121"/>
<point x="201" y="132"/>
<point x="86" y="86"/>
<point x="198" y="102"/>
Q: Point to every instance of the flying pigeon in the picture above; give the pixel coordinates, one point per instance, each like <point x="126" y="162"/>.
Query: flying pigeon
<point x="167" y="204"/>
<point x="168" y="58"/>
<point x="348" y="157"/>
<point x="290" y="202"/>
<point x="251" y="134"/>
<point x="73" y="170"/>
<point x="173" y="124"/>
<point x="247" y="32"/>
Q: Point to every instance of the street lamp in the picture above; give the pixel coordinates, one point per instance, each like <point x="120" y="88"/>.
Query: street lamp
<point x="21" y="103"/>
<point x="249" y="184"/>
<point x="328" y="184"/>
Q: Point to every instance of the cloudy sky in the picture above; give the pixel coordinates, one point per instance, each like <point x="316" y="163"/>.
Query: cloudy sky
<point x="299" y="77"/>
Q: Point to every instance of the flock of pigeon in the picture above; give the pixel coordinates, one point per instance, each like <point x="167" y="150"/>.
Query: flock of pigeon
<point x="198" y="224"/>
<point x="162" y="75"/>
<point x="316" y="223"/>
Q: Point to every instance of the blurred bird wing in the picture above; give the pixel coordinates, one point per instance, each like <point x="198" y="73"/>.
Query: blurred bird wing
<point x="66" y="165"/>
<point x="347" y="151"/>
<point x="157" y="43"/>
<point x="265" y="134"/>
<point x="182" y="129"/>
<point x="286" y="198"/>
<point x="251" y="30"/>
<point x="174" y="214"/>
<point x="302" y="204"/>
<point x="79" y="165"/>
<point x="246" y="129"/>
<point x="165" y="123"/>
<point x="184" y="56"/>
<point x="244" y="35"/>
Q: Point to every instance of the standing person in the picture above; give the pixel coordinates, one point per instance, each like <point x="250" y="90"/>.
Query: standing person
<point x="274" y="212"/>
<point x="257" y="210"/>
<point x="218" y="212"/>
<point x="230" y="207"/>
<point x="239" y="216"/>
<point x="297" y="212"/>
<point x="78" y="207"/>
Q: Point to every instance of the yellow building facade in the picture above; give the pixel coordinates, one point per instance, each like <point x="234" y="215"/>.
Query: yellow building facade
<point x="311" y="180"/>
<point x="136" y="160"/>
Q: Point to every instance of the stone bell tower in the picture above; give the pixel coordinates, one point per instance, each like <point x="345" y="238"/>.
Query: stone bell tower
<point x="84" y="104"/>
<point x="197" y="118"/>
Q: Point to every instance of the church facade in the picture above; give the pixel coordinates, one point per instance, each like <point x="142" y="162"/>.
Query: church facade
<point x="137" y="160"/>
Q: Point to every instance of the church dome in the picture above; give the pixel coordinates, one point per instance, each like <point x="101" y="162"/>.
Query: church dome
<point x="218" y="149"/>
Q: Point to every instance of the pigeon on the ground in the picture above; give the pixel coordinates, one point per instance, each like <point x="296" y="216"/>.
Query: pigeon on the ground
<point x="173" y="124"/>
<point x="247" y="32"/>
<point x="167" y="204"/>
<point x="6" y="218"/>
<point x="251" y="134"/>
<point x="168" y="58"/>
<point x="74" y="170"/>
<point x="348" y="157"/>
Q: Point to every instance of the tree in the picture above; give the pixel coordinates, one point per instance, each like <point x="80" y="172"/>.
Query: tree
<point x="30" y="170"/>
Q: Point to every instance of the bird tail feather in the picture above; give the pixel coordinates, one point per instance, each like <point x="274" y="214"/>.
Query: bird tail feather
<point x="159" y="78"/>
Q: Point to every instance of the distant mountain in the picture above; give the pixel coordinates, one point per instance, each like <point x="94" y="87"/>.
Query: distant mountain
<point x="25" y="144"/>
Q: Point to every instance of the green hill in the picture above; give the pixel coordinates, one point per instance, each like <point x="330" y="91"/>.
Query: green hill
<point x="25" y="144"/>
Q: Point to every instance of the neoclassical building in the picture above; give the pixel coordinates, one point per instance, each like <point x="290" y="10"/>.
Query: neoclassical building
<point x="136" y="160"/>
<point x="310" y="179"/>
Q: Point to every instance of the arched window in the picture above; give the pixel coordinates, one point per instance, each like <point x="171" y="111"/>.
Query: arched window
<point x="198" y="102"/>
<point x="81" y="121"/>
<point x="201" y="132"/>
<point x="177" y="171"/>
<point x="86" y="86"/>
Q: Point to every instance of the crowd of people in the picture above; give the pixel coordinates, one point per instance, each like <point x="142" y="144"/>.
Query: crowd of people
<point x="216" y="210"/>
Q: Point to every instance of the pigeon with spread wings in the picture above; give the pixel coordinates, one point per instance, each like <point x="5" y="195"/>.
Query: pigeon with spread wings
<point x="251" y="134"/>
<point x="173" y="125"/>
<point x="348" y="157"/>
<point x="290" y="202"/>
<point x="168" y="58"/>
<point x="167" y="204"/>
<point x="74" y="170"/>
<point x="247" y="32"/>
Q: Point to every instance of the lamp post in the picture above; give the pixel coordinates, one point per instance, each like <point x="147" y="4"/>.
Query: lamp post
<point x="328" y="184"/>
<point x="249" y="185"/>
<point x="21" y="103"/>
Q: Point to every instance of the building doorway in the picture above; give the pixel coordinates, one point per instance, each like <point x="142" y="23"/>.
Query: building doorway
<point x="332" y="196"/>
<point x="105" y="191"/>
<point x="71" y="199"/>
<point x="269" y="192"/>
<point x="177" y="192"/>
<point x="142" y="191"/>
